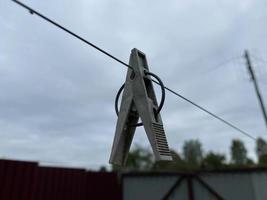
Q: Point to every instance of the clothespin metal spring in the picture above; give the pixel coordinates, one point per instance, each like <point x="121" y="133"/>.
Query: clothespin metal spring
<point x="161" y="101"/>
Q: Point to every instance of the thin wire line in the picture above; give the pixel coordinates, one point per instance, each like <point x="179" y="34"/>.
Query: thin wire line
<point x="208" y="112"/>
<point x="258" y="58"/>
<point x="225" y="62"/>
<point x="32" y="11"/>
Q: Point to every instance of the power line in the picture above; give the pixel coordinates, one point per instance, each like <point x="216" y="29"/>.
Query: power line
<point x="258" y="58"/>
<point x="208" y="112"/>
<point x="225" y="62"/>
<point x="32" y="11"/>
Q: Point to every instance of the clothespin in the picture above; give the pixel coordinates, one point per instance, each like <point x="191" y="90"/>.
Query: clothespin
<point x="139" y="100"/>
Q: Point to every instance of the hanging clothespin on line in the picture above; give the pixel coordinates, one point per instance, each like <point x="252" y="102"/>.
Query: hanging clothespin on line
<point x="139" y="100"/>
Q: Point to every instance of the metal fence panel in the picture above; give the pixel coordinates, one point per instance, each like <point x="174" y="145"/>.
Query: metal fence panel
<point x="259" y="181"/>
<point x="248" y="184"/>
<point x="147" y="187"/>
<point x="180" y="192"/>
<point x="232" y="185"/>
<point x="201" y="193"/>
<point x="28" y="181"/>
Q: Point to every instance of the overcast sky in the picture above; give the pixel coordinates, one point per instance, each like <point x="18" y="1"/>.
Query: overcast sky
<point x="57" y="94"/>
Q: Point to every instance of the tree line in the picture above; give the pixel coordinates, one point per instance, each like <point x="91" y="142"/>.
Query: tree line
<point x="194" y="158"/>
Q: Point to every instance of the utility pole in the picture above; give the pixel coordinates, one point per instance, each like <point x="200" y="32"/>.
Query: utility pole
<point x="254" y="79"/>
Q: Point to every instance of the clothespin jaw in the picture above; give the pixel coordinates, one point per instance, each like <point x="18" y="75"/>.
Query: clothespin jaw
<point x="139" y="100"/>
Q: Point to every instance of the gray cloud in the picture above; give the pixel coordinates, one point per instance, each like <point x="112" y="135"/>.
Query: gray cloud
<point x="58" y="94"/>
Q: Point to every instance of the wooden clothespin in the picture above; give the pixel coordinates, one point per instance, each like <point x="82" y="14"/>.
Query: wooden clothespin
<point x="139" y="100"/>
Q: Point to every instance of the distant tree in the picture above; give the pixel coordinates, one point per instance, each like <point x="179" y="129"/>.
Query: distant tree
<point x="250" y="162"/>
<point x="139" y="159"/>
<point x="177" y="164"/>
<point x="263" y="160"/>
<point x="103" y="169"/>
<point x="238" y="152"/>
<point x="261" y="150"/>
<point x="192" y="153"/>
<point x="213" y="161"/>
